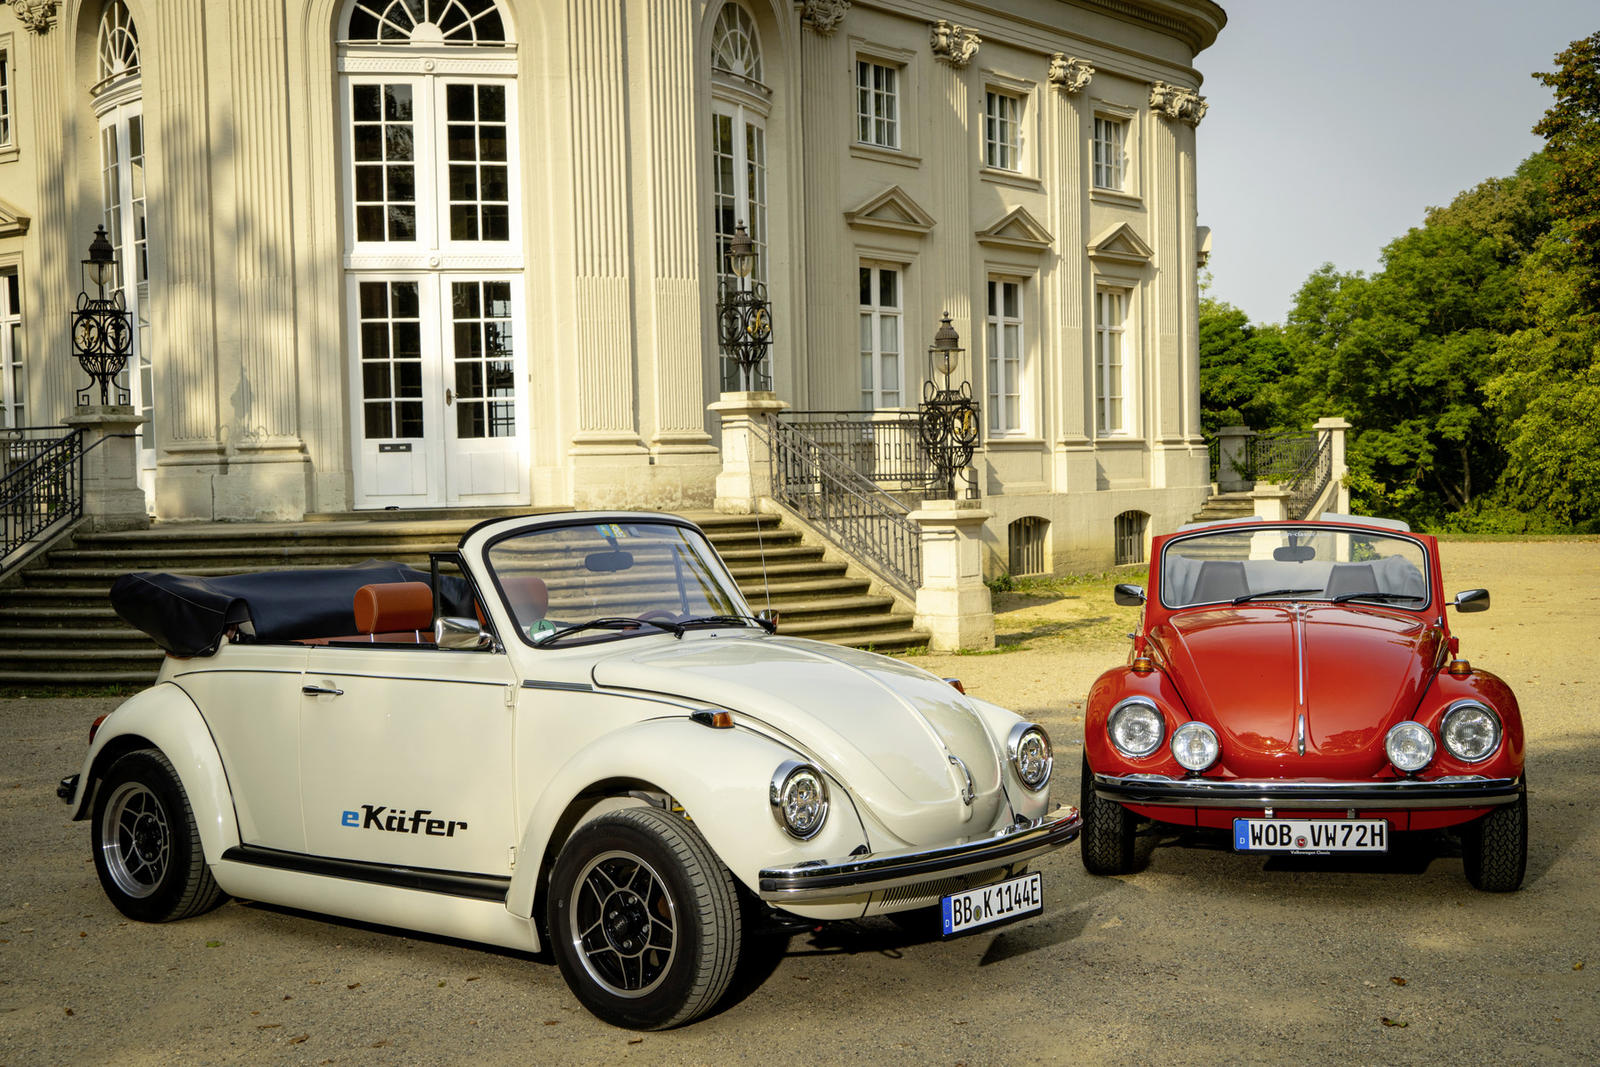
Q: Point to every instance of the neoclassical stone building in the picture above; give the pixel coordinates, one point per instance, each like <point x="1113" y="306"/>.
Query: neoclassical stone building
<point x="446" y="253"/>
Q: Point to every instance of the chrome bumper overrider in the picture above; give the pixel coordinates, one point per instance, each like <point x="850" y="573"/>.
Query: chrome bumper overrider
<point x="1463" y="791"/>
<point x="831" y="879"/>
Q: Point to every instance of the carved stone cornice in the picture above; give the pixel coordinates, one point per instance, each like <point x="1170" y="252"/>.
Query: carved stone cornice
<point x="1178" y="103"/>
<point x="36" y="16"/>
<point x="823" y="16"/>
<point x="955" y="45"/>
<point x="1069" y="74"/>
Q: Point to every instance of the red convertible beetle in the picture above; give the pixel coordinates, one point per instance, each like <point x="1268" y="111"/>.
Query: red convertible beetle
<point x="1296" y="684"/>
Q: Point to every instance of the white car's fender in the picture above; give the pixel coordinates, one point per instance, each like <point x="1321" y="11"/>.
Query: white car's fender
<point x="721" y="777"/>
<point x="164" y="717"/>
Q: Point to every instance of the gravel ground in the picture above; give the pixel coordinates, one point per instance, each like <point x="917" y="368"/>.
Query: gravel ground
<point x="1202" y="955"/>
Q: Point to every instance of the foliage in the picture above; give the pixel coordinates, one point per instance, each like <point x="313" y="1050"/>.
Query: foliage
<point x="1571" y="129"/>
<point x="1469" y="365"/>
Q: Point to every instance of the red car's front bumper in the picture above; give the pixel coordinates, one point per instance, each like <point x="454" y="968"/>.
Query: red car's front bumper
<point x="1457" y="791"/>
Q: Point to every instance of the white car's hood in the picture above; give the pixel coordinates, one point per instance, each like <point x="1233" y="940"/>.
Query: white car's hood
<point x="885" y="728"/>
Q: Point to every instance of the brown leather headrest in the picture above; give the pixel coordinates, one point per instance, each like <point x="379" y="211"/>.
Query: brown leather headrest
<point x="392" y="606"/>
<point x="528" y="596"/>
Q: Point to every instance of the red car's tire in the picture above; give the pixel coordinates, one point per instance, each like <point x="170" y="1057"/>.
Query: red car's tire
<point x="1494" y="850"/>
<point x="1107" y="841"/>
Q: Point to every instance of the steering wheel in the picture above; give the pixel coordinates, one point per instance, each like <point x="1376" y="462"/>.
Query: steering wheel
<point x="659" y="613"/>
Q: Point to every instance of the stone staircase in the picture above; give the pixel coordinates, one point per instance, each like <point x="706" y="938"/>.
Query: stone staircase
<point x="57" y="627"/>
<point x="1222" y="506"/>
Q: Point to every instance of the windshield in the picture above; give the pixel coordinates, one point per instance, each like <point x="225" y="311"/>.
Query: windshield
<point x="1238" y="565"/>
<point x="589" y="581"/>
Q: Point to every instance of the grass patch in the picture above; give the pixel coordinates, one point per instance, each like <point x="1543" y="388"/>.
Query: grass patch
<point x="1530" y="538"/>
<point x="1061" y="607"/>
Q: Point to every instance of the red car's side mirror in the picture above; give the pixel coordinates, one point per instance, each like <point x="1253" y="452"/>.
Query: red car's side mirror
<point x="1129" y="596"/>
<point x="1472" y="600"/>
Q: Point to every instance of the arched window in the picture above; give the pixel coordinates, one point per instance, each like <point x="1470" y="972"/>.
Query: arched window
<point x="740" y="104"/>
<point x="433" y="254"/>
<point x="1027" y="543"/>
<point x="465" y="22"/>
<point x="1129" y="530"/>
<point x="119" y="109"/>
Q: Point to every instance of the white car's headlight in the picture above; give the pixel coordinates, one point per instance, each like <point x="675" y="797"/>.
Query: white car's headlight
<point x="1195" y="746"/>
<point x="1470" y="731"/>
<point x="1029" y="749"/>
<point x="1136" y="727"/>
<point x="799" y="799"/>
<point x="1409" y="746"/>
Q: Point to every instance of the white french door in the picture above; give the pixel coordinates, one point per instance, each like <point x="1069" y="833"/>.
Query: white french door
<point x="438" y="371"/>
<point x="438" y="403"/>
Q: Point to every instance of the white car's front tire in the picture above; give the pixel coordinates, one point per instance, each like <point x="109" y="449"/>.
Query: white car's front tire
<point x="146" y="845"/>
<point x="644" y="919"/>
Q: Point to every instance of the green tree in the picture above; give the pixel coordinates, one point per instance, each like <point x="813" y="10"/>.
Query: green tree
<point x="1242" y="367"/>
<point x="1571" y="129"/>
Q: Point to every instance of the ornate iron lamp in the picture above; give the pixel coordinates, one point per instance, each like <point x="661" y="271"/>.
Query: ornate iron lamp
<point x="948" y="417"/>
<point x="102" y="336"/>
<point x="744" y="318"/>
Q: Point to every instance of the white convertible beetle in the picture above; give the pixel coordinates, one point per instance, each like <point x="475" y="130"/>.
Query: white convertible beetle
<point x="570" y="732"/>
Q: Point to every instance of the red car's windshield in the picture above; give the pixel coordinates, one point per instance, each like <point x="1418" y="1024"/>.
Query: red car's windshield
<point x="1240" y="564"/>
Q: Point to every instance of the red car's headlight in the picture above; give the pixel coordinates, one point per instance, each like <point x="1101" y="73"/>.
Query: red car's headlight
<point x="1136" y="727"/>
<point x="1470" y="731"/>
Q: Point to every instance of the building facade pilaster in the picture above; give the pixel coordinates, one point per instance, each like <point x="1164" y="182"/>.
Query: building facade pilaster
<point x="1067" y="103"/>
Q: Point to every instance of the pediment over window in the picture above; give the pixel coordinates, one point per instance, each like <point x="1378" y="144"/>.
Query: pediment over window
<point x="13" y="223"/>
<point x="892" y="210"/>
<point x="1121" y="245"/>
<point x="1017" y="230"/>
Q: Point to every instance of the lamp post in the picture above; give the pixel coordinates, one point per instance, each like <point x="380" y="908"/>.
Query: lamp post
<point x="744" y="318"/>
<point x="102" y="336"/>
<point x="948" y="416"/>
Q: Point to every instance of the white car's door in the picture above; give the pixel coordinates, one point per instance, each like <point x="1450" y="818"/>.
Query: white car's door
<point x="405" y="758"/>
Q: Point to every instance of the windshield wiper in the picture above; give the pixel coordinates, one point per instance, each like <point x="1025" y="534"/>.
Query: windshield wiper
<point x="1273" y="592"/>
<point x="1342" y="597"/>
<point x="610" y="623"/>
<point x="728" y="620"/>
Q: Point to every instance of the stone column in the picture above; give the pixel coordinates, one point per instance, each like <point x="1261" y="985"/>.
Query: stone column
<point x="1075" y="467"/>
<point x="1271" y="502"/>
<point x="953" y="604"/>
<point x="1231" y="442"/>
<point x="112" y="499"/>
<point x="952" y="241"/>
<point x="746" y="476"/>
<point x="1335" y="428"/>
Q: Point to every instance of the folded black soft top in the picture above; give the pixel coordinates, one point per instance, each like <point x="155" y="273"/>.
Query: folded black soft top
<point x="188" y="616"/>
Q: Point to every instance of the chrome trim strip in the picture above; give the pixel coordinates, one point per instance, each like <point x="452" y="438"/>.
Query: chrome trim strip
<point x="1466" y="791"/>
<point x="832" y="879"/>
<point x="565" y="687"/>
<point x="1300" y="734"/>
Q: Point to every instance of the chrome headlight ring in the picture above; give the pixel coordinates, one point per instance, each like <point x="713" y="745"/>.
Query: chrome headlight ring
<point x="799" y="797"/>
<point x="1028" y="748"/>
<point x="1136" y="727"/>
<point x="1470" y="731"/>
<point x="1409" y="746"/>
<point x="1195" y="746"/>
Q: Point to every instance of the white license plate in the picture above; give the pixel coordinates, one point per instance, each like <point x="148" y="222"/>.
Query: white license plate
<point x="1310" y="835"/>
<point x="993" y="903"/>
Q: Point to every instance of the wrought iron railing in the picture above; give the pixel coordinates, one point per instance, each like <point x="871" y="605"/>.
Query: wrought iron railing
<point x="1213" y="456"/>
<point x="41" y="484"/>
<point x="1307" y="482"/>
<point x="1278" y="457"/>
<point x="821" y="479"/>
<point x="886" y="448"/>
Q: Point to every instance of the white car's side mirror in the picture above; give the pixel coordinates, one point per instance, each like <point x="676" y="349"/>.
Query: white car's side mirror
<point x="460" y="634"/>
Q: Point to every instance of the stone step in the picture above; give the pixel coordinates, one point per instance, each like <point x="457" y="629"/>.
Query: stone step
<point x="57" y="627"/>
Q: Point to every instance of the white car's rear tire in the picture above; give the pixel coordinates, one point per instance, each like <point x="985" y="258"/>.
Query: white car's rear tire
<point x="146" y="845"/>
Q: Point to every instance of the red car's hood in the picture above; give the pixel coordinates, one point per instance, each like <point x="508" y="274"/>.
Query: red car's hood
<point x="1352" y="671"/>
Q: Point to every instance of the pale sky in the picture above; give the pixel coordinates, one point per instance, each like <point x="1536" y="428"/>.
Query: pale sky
<point x="1333" y="126"/>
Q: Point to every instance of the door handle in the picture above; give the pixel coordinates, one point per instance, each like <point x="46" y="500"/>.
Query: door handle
<point x="321" y="691"/>
<point x="449" y="398"/>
